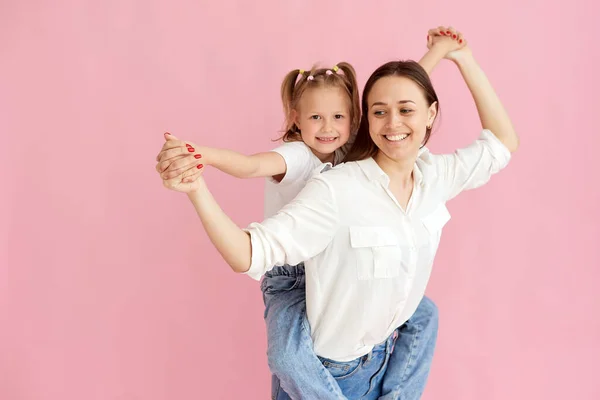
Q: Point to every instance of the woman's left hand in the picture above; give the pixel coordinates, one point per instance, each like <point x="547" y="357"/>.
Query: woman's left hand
<point x="450" y="40"/>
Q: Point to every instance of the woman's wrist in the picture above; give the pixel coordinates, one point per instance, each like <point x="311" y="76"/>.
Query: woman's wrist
<point x="463" y="59"/>
<point x="200" y="191"/>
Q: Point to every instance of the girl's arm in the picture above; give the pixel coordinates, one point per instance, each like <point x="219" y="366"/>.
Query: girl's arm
<point x="433" y="57"/>
<point x="178" y="156"/>
<point x="260" y="165"/>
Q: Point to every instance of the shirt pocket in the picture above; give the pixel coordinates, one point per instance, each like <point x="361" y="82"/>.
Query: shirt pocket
<point x="435" y="221"/>
<point x="377" y="251"/>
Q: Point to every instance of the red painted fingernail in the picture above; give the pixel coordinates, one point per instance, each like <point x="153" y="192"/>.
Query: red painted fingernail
<point x="200" y="166"/>
<point x="453" y="36"/>
<point x="191" y="149"/>
<point x="442" y="33"/>
<point x="198" y="156"/>
<point x="427" y="37"/>
<point x="460" y="41"/>
<point x="448" y="32"/>
<point x="188" y="145"/>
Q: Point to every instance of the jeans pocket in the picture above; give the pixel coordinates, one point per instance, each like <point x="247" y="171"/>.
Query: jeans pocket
<point x="342" y="370"/>
<point x="280" y="283"/>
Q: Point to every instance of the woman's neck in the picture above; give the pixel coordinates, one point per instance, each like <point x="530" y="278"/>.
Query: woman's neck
<point x="399" y="171"/>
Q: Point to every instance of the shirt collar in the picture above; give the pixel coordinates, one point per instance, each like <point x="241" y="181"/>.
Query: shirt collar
<point x="423" y="171"/>
<point x="325" y="167"/>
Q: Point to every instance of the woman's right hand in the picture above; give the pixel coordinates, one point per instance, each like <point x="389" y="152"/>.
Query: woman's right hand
<point x="179" y="170"/>
<point x="177" y="156"/>
<point x="188" y="182"/>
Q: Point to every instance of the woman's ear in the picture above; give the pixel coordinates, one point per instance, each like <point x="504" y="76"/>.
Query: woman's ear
<point x="432" y="114"/>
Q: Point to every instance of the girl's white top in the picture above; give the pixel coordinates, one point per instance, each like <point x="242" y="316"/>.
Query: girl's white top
<point x="301" y="165"/>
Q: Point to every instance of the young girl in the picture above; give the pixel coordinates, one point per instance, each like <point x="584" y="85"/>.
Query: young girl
<point x="322" y="114"/>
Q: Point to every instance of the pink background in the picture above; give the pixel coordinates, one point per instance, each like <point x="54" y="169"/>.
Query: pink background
<point x="109" y="288"/>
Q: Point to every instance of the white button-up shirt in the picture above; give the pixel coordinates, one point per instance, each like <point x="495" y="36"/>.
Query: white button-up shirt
<point x="367" y="260"/>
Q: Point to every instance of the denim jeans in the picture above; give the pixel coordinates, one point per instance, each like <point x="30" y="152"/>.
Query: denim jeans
<point x="382" y="374"/>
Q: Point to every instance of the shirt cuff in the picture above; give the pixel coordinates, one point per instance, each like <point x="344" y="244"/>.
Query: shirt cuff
<point x="257" y="261"/>
<point x="497" y="148"/>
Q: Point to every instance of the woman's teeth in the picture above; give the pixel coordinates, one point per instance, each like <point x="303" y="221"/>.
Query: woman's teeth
<point x="396" y="138"/>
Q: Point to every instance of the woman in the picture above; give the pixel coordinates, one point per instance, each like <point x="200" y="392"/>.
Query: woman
<point x="368" y="230"/>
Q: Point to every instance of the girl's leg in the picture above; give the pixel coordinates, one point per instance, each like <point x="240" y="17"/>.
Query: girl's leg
<point x="290" y="348"/>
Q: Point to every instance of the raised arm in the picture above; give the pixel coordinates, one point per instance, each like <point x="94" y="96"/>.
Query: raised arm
<point x="473" y="166"/>
<point x="492" y="114"/>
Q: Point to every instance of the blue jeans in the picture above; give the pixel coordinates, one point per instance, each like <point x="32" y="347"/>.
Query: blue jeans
<point x="382" y="374"/>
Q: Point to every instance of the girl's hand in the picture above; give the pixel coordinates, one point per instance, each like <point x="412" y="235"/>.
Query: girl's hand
<point x="176" y="156"/>
<point x="452" y="42"/>
<point x="184" y="170"/>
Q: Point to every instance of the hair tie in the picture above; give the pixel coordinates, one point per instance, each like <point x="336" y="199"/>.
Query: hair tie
<point x="328" y="72"/>
<point x="335" y="68"/>
<point x="310" y="78"/>
<point x="301" y="72"/>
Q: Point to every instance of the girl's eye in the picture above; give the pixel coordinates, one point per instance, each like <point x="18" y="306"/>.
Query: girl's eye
<point x="315" y="117"/>
<point x="339" y="116"/>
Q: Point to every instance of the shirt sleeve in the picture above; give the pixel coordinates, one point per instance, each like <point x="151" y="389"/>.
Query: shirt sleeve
<point x="473" y="166"/>
<point x="299" y="231"/>
<point x="298" y="161"/>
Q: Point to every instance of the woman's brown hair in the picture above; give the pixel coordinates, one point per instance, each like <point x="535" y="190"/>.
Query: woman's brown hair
<point x="363" y="146"/>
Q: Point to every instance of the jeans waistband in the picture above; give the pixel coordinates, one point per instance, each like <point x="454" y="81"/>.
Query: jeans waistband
<point x="286" y="270"/>
<point x="386" y="346"/>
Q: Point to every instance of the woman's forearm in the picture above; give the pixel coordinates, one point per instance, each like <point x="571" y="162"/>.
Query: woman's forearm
<point x="492" y="114"/>
<point x="232" y="242"/>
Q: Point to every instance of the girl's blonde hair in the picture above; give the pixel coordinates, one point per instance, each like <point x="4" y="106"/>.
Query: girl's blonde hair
<point x="296" y="82"/>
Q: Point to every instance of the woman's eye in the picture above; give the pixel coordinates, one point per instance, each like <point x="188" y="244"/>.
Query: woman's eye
<point x="379" y="112"/>
<point x="405" y="110"/>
